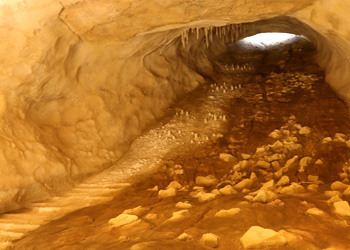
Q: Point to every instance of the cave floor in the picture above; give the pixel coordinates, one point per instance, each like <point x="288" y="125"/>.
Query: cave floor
<point x="249" y="148"/>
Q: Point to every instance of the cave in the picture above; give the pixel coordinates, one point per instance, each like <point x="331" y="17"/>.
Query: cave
<point x="174" y="125"/>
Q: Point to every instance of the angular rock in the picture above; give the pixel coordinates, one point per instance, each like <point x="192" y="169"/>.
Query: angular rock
<point x="283" y="181"/>
<point x="184" y="237"/>
<point x="265" y="196"/>
<point x="174" y="184"/>
<point x="312" y="187"/>
<point x="305" y="130"/>
<point x="210" y="240"/>
<point x="227" y="190"/>
<point x="258" y="237"/>
<point x="315" y="211"/>
<point x="290" y="161"/>
<point x="274" y="157"/>
<point x="183" y="205"/>
<point x="203" y="197"/>
<point x="270" y="185"/>
<point x="138" y="211"/>
<point x="263" y="164"/>
<point x="312" y="178"/>
<point x="294" y="188"/>
<point x="246" y="156"/>
<point x="228" y="213"/>
<point x="347" y="191"/>
<point x="342" y="208"/>
<point x="122" y="219"/>
<point x="339" y="186"/>
<point x="170" y="192"/>
<point x="206" y="181"/>
<point x="246" y="183"/>
<point x="227" y="157"/>
<point x="332" y="193"/>
<point x="178" y="215"/>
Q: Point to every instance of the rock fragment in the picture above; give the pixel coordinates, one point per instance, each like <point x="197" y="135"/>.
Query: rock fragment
<point x="122" y="219"/>
<point x="228" y="213"/>
<point x="227" y="190"/>
<point x="305" y="130"/>
<point x="206" y="181"/>
<point x="342" y="208"/>
<point x="246" y="183"/>
<point x="203" y="197"/>
<point x="227" y="157"/>
<point x="339" y="186"/>
<point x="258" y="237"/>
<point x="210" y="240"/>
<point x="183" y="205"/>
<point x="174" y="184"/>
<point x="265" y="196"/>
<point x="184" y="237"/>
<point x="170" y="192"/>
<point x="315" y="211"/>
<point x="283" y="181"/>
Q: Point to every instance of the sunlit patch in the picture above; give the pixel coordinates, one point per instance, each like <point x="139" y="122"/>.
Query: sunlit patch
<point x="271" y="39"/>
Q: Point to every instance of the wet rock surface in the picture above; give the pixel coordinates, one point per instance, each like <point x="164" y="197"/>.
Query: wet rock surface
<point x="261" y="152"/>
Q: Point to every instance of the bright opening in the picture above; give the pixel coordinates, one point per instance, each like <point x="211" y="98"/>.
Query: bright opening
<point x="271" y="39"/>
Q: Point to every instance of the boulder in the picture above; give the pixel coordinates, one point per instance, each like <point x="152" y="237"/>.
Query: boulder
<point x="210" y="240"/>
<point x="122" y="219"/>
<point x="206" y="181"/>
<point x="228" y="213"/>
<point x="258" y="237"/>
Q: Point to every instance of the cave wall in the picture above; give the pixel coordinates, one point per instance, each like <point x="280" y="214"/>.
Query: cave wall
<point x="79" y="80"/>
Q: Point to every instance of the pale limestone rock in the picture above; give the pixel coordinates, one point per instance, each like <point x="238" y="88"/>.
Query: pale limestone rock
<point x="332" y="193"/>
<point x="122" y="219"/>
<point x="283" y="181"/>
<point x="277" y="146"/>
<point x="249" y="197"/>
<point x="270" y="185"/>
<point x="151" y="217"/>
<point x="244" y="191"/>
<point x="170" y="192"/>
<point x="315" y="211"/>
<point x="257" y="237"/>
<point x="265" y="196"/>
<point x="210" y="240"/>
<point x="294" y="188"/>
<point x="312" y="178"/>
<point x="275" y="134"/>
<point x="260" y="150"/>
<point x="203" y="197"/>
<point x="138" y="211"/>
<point x="279" y="173"/>
<point x="342" y="208"/>
<point x="184" y="237"/>
<point x="228" y="213"/>
<point x="327" y="139"/>
<point x="227" y="190"/>
<point x="339" y="186"/>
<point x="334" y="199"/>
<point x="246" y="183"/>
<point x="347" y="191"/>
<point x="263" y="164"/>
<point x="253" y="176"/>
<point x="340" y="136"/>
<point x="319" y="162"/>
<point x="215" y="191"/>
<point x="305" y="130"/>
<point x="274" y="157"/>
<point x="290" y="161"/>
<point x="154" y="189"/>
<point x="312" y="187"/>
<point x="304" y="162"/>
<point x="227" y="157"/>
<point x="276" y="165"/>
<point x="246" y="156"/>
<point x="174" y="184"/>
<point x="179" y="215"/>
<point x="206" y="180"/>
<point x="183" y="205"/>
